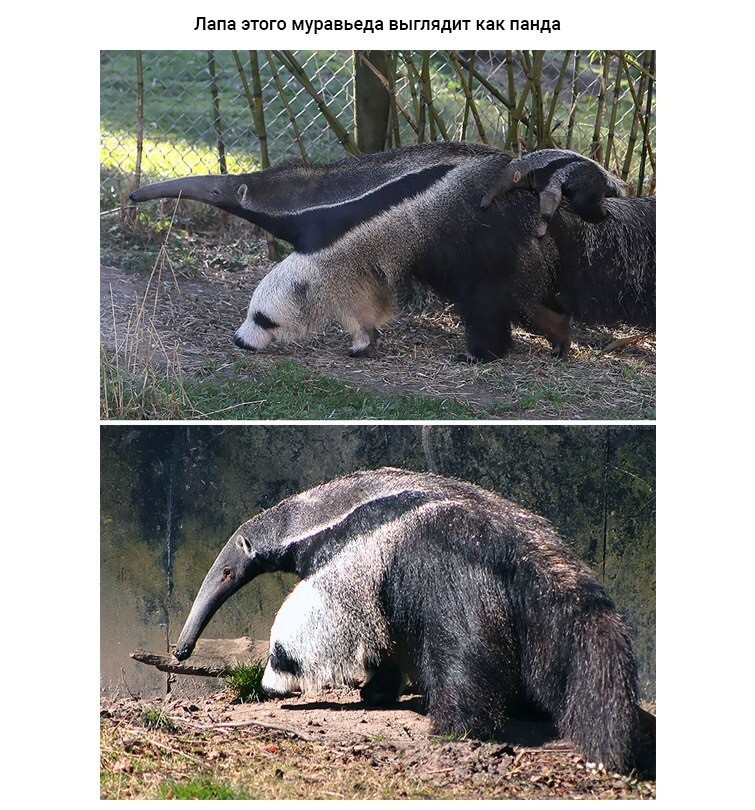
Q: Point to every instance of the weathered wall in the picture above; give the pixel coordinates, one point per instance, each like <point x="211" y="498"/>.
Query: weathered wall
<point x="172" y="495"/>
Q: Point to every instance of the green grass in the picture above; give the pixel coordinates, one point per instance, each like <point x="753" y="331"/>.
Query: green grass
<point x="157" y="718"/>
<point x="537" y="394"/>
<point x="281" y="390"/>
<point x="162" y="158"/>
<point x="203" y="788"/>
<point x="244" y="682"/>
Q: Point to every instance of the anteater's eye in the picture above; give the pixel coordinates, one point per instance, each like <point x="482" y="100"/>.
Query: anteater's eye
<point x="263" y="321"/>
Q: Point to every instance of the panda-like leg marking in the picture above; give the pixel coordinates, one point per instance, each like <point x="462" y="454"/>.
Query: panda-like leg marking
<point x="317" y="641"/>
<point x="298" y="297"/>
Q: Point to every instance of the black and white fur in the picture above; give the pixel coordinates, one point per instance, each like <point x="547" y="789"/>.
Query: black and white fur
<point x="554" y="173"/>
<point x="414" y="576"/>
<point x="323" y="637"/>
<point x="363" y="227"/>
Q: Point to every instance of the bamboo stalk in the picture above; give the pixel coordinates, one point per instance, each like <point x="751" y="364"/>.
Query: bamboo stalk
<point x="259" y="109"/>
<point x="425" y="92"/>
<point x="644" y="120"/>
<point x="418" y="111"/>
<point x="512" y="136"/>
<point x="526" y="90"/>
<point x="390" y="61"/>
<point x="216" y="120"/>
<point x="286" y="106"/>
<point x="259" y="124"/>
<point x="427" y="97"/>
<point x="574" y="99"/>
<point x="465" y="116"/>
<point x="516" y="111"/>
<point x="537" y="99"/>
<point x="526" y="63"/>
<point x="647" y="151"/>
<point x="297" y="71"/>
<point x="127" y="213"/>
<point x="390" y="86"/>
<point x="416" y="83"/>
<point x="245" y="84"/>
<point x="595" y="146"/>
<point x="549" y="128"/>
<point x="612" y="117"/>
<point x="631" y="60"/>
<point x="508" y="103"/>
<point x="631" y="141"/>
<point x="139" y="117"/>
<point x="470" y="103"/>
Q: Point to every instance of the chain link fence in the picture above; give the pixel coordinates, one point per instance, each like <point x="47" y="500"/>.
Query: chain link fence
<point x="171" y="113"/>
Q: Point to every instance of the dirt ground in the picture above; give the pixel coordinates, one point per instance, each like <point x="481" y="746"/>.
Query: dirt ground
<point x="332" y="746"/>
<point x="191" y="322"/>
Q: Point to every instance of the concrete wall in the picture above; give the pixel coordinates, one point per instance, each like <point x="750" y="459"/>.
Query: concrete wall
<point x="172" y="495"/>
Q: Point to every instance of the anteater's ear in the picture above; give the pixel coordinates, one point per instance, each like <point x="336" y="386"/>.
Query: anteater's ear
<point x="244" y="545"/>
<point x="241" y="193"/>
<point x="517" y="176"/>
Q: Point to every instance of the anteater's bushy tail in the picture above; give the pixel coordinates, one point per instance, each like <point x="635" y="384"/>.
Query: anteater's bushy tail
<point x="599" y="711"/>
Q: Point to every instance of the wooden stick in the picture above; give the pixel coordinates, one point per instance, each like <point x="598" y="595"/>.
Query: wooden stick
<point x="620" y="342"/>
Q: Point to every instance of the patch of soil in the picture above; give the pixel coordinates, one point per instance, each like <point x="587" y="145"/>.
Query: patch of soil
<point x="191" y="322"/>
<point x="333" y="745"/>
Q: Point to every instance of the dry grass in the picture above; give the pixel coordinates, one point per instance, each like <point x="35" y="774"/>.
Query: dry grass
<point x="140" y="374"/>
<point x="206" y="758"/>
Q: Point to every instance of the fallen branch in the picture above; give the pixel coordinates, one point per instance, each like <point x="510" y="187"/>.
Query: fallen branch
<point x="211" y="657"/>
<point x="620" y="342"/>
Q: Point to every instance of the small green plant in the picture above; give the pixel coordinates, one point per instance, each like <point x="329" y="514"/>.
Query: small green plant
<point x="157" y="718"/>
<point x="204" y="788"/>
<point x="244" y="682"/>
<point x="452" y="736"/>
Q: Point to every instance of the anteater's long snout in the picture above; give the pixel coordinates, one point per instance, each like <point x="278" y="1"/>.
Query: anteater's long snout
<point x="212" y="189"/>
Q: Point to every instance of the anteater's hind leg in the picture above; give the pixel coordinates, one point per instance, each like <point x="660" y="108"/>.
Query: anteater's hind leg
<point x="364" y="340"/>
<point x="555" y="326"/>
<point x="487" y="315"/>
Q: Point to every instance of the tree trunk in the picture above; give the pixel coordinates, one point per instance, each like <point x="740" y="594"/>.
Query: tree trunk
<point x="371" y="101"/>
